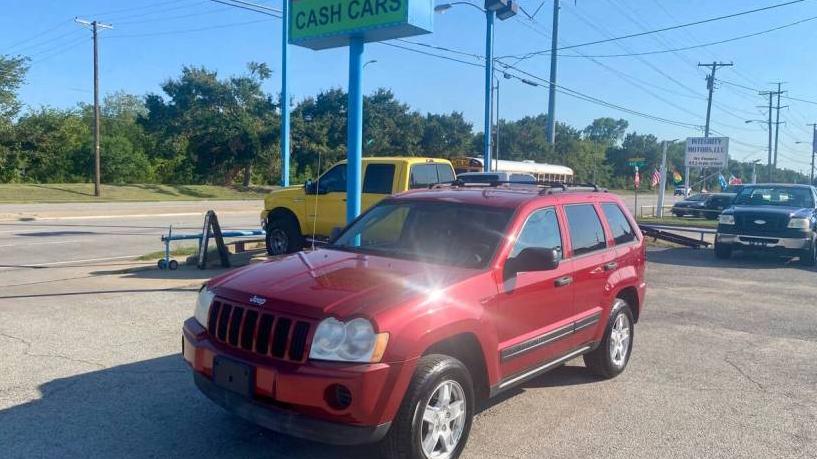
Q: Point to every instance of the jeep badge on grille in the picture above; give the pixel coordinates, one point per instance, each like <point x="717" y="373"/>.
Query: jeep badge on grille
<point x="259" y="300"/>
<point x="760" y="222"/>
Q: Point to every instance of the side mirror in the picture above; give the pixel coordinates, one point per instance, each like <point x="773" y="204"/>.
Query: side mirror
<point x="335" y="233"/>
<point x="309" y="187"/>
<point x="532" y="259"/>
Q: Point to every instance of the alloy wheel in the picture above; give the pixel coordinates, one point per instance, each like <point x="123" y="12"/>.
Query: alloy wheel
<point x="278" y="241"/>
<point x="443" y="420"/>
<point x="620" y="340"/>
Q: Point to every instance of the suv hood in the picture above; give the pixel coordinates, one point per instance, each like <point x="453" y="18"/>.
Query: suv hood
<point x="329" y="282"/>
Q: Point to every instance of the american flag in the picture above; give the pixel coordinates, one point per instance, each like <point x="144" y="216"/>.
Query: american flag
<point x="656" y="178"/>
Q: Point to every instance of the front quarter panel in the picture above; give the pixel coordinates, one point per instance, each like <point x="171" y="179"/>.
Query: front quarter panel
<point x="433" y="318"/>
<point x="291" y="198"/>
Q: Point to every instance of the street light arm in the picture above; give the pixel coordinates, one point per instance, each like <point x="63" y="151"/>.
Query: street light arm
<point x="443" y="7"/>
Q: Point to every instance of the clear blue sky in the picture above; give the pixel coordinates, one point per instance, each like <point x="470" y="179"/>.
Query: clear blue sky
<point x="152" y="40"/>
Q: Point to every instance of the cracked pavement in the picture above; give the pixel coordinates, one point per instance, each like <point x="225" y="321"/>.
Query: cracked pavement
<point x="724" y="365"/>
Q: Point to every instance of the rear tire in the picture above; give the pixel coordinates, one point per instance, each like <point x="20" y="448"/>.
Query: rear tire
<point x="283" y="235"/>
<point x="809" y="256"/>
<point x="722" y="251"/>
<point x="613" y="353"/>
<point x="418" y="418"/>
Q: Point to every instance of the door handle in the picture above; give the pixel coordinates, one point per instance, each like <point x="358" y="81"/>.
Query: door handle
<point x="610" y="266"/>
<point x="563" y="281"/>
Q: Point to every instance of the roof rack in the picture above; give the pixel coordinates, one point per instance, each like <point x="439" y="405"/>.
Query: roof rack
<point x="576" y="187"/>
<point x="545" y="187"/>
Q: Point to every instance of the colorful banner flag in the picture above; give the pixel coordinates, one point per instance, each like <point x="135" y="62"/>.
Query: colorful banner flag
<point x="636" y="179"/>
<point x="734" y="180"/>
<point x="677" y="178"/>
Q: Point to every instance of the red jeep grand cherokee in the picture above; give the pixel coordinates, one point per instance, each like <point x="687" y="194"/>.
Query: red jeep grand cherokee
<point x="427" y="303"/>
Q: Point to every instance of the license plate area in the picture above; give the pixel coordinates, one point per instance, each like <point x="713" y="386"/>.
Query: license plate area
<point x="234" y="376"/>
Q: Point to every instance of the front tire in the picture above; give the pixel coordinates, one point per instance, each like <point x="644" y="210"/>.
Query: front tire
<point x="283" y="235"/>
<point x="809" y="256"/>
<point x="722" y="251"/>
<point x="435" y="418"/>
<point x="611" y="357"/>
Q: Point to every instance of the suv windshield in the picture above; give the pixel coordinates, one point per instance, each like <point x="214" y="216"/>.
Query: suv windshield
<point x="444" y="233"/>
<point x="775" y="196"/>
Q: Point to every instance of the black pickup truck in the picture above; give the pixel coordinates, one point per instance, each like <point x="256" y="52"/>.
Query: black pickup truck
<point x="779" y="218"/>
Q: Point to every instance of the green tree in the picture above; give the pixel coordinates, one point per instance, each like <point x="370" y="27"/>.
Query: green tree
<point x="446" y="136"/>
<point x="606" y="131"/>
<point x="219" y="127"/>
<point x="55" y="146"/>
<point x="12" y="75"/>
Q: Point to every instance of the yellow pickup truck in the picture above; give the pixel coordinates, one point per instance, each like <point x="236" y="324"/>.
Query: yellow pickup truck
<point x="294" y="213"/>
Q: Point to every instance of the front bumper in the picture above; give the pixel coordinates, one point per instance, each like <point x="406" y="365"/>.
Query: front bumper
<point x="292" y="398"/>
<point x="765" y="242"/>
<point x="288" y="422"/>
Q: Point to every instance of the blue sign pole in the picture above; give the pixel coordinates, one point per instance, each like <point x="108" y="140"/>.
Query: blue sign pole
<point x="489" y="72"/>
<point x="285" y="95"/>
<point x="354" y="142"/>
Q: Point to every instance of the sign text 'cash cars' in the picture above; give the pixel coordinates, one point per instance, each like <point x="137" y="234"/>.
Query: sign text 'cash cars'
<point x="320" y="24"/>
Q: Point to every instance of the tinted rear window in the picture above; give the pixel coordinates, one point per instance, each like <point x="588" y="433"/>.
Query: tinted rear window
<point x="586" y="232"/>
<point x="423" y="175"/>
<point x="618" y="223"/>
<point x="445" y="173"/>
<point x="379" y="178"/>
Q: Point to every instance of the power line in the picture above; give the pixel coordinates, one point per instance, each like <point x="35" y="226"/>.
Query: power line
<point x="251" y="7"/>
<point x="183" y="31"/>
<point x="665" y="29"/>
<point x="170" y="18"/>
<point x="737" y="85"/>
<point x="59" y="25"/>
<point x="443" y="48"/>
<point x="119" y="17"/>
<point x="560" y="89"/>
<point x="134" y="8"/>
<point x="46" y="41"/>
<point x="800" y="100"/>
<point x="700" y="45"/>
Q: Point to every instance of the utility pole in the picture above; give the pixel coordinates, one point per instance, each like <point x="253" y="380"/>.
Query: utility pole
<point x="496" y="129"/>
<point x="554" y="43"/>
<point x="710" y="85"/>
<point x="813" y="150"/>
<point x="95" y="26"/>
<point x="771" y="162"/>
<point x="662" y="183"/>
<point x="777" y="123"/>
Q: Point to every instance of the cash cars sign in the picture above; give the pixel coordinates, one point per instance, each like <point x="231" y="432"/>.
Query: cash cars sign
<point x="707" y="152"/>
<point x="321" y="24"/>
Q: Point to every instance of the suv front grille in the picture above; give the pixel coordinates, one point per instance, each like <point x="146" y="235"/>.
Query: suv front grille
<point x="270" y="335"/>
<point x="772" y="222"/>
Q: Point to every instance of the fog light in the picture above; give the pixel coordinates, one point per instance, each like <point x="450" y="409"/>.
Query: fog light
<point x="338" y="396"/>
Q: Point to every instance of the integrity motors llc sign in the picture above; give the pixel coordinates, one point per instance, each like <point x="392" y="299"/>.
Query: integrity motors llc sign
<point x="321" y="24"/>
<point x="707" y="152"/>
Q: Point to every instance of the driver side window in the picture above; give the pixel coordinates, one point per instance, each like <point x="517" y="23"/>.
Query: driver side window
<point x="334" y="180"/>
<point x="541" y="230"/>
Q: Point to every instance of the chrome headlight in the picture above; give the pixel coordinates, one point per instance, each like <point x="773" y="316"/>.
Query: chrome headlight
<point x="353" y="341"/>
<point x="726" y="219"/>
<point x="799" y="223"/>
<point x="203" y="303"/>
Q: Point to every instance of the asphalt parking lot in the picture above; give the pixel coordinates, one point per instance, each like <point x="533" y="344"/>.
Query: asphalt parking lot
<point x="724" y="365"/>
